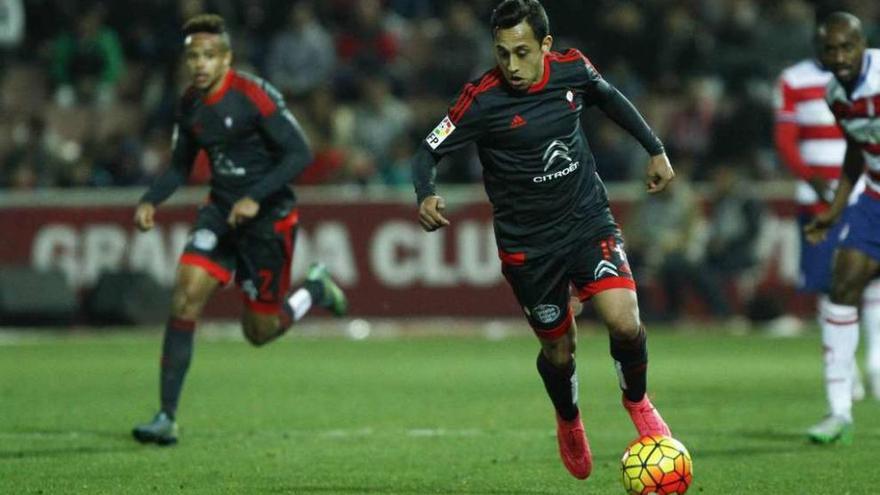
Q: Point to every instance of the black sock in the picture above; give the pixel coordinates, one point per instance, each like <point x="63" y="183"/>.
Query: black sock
<point x="316" y="290"/>
<point x="176" y="355"/>
<point x="631" y="359"/>
<point x="561" y="385"/>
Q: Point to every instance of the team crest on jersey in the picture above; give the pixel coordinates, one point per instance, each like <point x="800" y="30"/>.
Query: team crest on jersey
<point x="569" y="97"/>
<point x="440" y="133"/>
<point x="228" y="122"/>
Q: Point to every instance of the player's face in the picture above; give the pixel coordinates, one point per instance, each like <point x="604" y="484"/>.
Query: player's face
<point x="208" y="58"/>
<point x="520" y="56"/>
<point x="840" y="50"/>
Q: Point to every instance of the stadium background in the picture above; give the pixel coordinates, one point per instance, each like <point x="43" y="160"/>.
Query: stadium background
<point x="85" y="129"/>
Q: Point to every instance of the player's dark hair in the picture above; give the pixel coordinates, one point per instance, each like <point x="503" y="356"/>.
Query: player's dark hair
<point x="206" y="23"/>
<point x="839" y="18"/>
<point x="509" y="13"/>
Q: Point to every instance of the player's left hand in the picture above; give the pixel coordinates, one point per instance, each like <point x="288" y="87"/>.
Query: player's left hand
<point x="659" y="173"/>
<point x="817" y="230"/>
<point x="243" y="209"/>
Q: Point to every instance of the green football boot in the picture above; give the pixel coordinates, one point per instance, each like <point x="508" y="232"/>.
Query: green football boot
<point x="830" y="430"/>
<point x="162" y="430"/>
<point x="332" y="296"/>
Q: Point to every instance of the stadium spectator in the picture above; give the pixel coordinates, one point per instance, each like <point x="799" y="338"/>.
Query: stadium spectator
<point x="301" y="56"/>
<point x="11" y="28"/>
<point x="664" y="246"/>
<point x="87" y="61"/>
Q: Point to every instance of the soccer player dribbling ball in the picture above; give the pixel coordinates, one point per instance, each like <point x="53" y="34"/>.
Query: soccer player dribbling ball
<point x="552" y="221"/>
<point x="248" y="226"/>
<point x="852" y="95"/>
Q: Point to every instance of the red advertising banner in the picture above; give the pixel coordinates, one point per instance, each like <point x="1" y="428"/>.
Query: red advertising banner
<point x="374" y="248"/>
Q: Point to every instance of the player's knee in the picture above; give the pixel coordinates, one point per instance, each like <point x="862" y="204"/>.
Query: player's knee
<point x="186" y="302"/>
<point x="846" y="291"/>
<point x="253" y="335"/>
<point x="560" y="352"/>
<point x="258" y="333"/>
<point x="623" y="327"/>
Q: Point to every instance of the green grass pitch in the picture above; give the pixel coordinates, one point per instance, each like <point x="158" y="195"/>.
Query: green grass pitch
<point x="441" y="415"/>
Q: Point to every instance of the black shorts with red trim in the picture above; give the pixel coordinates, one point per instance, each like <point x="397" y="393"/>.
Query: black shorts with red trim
<point x="544" y="285"/>
<point x="259" y="253"/>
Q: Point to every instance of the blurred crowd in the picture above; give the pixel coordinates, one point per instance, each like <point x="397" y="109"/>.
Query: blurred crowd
<point x="89" y="87"/>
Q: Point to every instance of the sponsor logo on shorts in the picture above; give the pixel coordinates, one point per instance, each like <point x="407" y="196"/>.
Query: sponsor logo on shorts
<point x="204" y="239"/>
<point x="605" y="268"/>
<point x="440" y="133"/>
<point x="546" y="313"/>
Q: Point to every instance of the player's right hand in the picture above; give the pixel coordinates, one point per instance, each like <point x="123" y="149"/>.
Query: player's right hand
<point x="431" y="213"/>
<point x="143" y="216"/>
<point x="817" y="230"/>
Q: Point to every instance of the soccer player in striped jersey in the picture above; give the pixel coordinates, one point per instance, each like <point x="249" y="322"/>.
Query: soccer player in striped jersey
<point x="248" y="225"/>
<point x="552" y="221"/>
<point x="812" y="145"/>
<point x="853" y="95"/>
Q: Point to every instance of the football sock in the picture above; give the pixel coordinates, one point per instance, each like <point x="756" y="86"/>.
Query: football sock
<point x="299" y="303"/>
<point x="871" y="326"/>
<point x="315" y="288"/>
<point x="561" y="385"/>
<point x="176" y="356"/>
<point x="631" y="361"/>
<point x="840" y="338"/>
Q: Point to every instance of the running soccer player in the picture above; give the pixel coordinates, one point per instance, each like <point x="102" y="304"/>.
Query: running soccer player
<point x="853" y="95"/>
<point x="256" y="147"/>
<point x="553" y="225"/>
<point x="812" y="145"/>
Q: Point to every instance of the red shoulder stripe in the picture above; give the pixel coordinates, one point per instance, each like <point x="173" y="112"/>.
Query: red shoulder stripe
<point x="573" y="54"/>
<point x="255" y="93"/>
<point x="470" y="91"/>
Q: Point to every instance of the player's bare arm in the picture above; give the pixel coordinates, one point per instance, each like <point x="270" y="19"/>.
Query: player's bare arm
<point x="431" y="213"/>
<point x="244" y="209"/>
<point x="659" y="173"/>
<point x="144" y="216"/>
<point x="853" y="164"/>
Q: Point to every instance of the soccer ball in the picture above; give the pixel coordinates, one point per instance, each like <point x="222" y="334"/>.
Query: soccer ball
<point x="656" y="465"/>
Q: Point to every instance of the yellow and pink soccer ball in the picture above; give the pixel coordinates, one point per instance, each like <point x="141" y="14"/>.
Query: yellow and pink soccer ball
<point x="656" y="465"/>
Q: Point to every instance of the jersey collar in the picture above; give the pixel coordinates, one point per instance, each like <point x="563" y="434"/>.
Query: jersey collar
<point x="218" y="94"/>
<point x="538" y="86"/>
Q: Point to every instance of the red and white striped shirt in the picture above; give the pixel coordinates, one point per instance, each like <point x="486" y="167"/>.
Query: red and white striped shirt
<point x="808" y="139"/>
<point x="859" y="115"/>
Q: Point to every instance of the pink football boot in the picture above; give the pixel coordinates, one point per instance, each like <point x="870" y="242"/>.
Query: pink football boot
<point x="646" y="418"/>
<point x="573" y="447"/>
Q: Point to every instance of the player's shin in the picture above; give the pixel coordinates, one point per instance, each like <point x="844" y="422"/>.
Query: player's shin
<point x="631" y="360"/>
<point x="561" y="384"/>
<point x="176" y="356"/>
<point x="871" y="326"/>
<point x="840" y="338"/>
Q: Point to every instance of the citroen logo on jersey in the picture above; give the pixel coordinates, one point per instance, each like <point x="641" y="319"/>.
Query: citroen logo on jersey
<point x="556" y="156"/>
<point x="556" y="151"/>
<point x="605" y="268"/>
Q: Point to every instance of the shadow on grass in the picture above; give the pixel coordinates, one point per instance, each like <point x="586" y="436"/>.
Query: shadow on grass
<point x="25" y="444"/>
<point x="54" y="452"/>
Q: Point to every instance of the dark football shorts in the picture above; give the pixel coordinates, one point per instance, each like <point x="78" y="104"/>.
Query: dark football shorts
<point x="544" y="285"/>
<point x="259" y="252"/>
